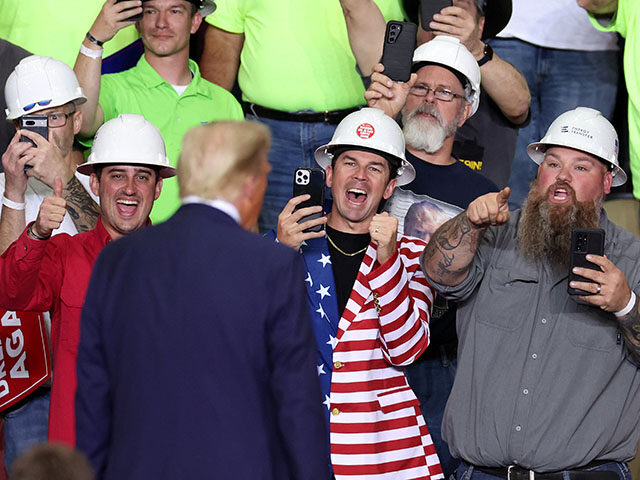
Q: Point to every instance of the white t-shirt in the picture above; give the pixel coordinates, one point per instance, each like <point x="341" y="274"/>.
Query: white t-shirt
<point x="556" y="24"/>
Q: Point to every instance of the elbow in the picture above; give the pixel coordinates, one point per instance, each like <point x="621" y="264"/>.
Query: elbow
<point x="519" y="112"/>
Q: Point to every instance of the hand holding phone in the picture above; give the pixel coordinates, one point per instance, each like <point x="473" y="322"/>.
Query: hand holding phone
<point x="397" y="52"/>
<point x="133" y="18"/>
<point x="34" y="123"/>
<point x="584" y="241"/>
<point x="310" y="181"/>
<point x="428" y="8"/>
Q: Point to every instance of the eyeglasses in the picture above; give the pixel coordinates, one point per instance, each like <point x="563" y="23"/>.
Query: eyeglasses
<point x="57" y="119"/>
<point x="440" y="93"/>
<point x="42" y="103"/>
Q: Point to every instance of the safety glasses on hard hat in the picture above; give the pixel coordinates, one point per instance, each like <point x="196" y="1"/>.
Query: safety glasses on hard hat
<point x="42" y="103"/>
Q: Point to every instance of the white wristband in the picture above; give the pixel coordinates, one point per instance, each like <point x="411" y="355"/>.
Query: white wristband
<point x="627" y="309"/>
<point x="14" y="205"/>
<point x="90" y="52"/>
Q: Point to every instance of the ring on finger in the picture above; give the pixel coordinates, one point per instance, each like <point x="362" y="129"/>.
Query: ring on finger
<point x="377" y="229"/>
<point x="598" y="289"/>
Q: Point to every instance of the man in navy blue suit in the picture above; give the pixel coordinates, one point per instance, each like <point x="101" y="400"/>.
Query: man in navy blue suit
<point x="197" y="357"/>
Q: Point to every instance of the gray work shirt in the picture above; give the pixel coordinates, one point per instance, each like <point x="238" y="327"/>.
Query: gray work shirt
<point x="542" y="381"/>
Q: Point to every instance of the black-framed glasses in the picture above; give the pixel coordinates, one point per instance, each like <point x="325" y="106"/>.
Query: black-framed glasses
<point x="440" y="93"/>
<point x="56" y="119"/>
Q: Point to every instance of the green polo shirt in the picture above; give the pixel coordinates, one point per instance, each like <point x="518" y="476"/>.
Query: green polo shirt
<point x="142" y="90"/>
<point x="296" y="54"/>
<point x="55" y="28"/>
<point x="627" y="23"/>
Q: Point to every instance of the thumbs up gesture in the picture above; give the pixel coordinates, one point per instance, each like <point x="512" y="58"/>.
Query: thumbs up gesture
<point x="490" y="209"/>
<point x="52" y="212"/>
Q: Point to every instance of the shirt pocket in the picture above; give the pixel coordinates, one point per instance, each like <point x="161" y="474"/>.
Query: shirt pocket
<point x="71" y="305"/>
<point x="397" y="399"/>
<point x="591" y="328"/>
<point x="504" y="297"/>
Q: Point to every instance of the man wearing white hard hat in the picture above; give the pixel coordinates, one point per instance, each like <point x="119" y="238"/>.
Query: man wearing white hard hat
<point x="45" y="273"/>
<point x="369" y="301"/>
<point x="165" y="86"/>
<point x="47" y="91"/>
<point x="547" y="382"/>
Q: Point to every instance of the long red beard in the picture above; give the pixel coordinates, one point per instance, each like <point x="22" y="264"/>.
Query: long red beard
<point x="544" y="228"/>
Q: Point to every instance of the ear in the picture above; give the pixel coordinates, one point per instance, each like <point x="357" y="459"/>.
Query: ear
<point x="94" y="183"/>
<point x="481" y="26"/>
<point x="468" y="108"/>
<point x="77" y="121"/>
<point x="196" y="20"/>
<point x="607" y="181"/>
<point x="158" y="189"/>
<point x="388" y="191"/>
<point x="329" y="175"/>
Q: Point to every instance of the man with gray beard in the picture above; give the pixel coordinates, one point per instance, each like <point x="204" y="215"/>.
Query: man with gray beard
<point x="548" y="384"/>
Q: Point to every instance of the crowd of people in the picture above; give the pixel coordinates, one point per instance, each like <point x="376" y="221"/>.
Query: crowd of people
<point x="169" y="310"/>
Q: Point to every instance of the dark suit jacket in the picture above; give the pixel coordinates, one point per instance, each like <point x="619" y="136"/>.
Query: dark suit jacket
<point x="197" y="358"/>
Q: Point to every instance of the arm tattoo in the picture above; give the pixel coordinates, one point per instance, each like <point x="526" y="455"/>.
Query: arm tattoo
<point x="455" y="237"/>
<point x="80" y="206"/>
<point x="631" y="327"/>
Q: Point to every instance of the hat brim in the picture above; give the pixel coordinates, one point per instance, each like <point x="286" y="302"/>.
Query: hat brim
<point x="163" y="172"/>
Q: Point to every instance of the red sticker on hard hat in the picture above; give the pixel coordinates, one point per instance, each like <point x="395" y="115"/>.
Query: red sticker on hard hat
<point x="365" y="130"/>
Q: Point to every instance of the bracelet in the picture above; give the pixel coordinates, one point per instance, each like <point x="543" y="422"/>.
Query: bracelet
<point x="33" y="234"/>
<point x="628" y="308"/>
<point x="90" y="52"/>
<point x="14" y="205"/>
<point x="94" y="40"/>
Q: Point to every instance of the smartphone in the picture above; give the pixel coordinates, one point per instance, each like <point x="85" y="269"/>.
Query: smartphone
<point x="428" y="8"/>
<point x="133" y="18"/>
<point x="35" y="123"/>
<point x="311" y="181"/>
<point x="584" y="241"/>
<point x="397" y="52"/>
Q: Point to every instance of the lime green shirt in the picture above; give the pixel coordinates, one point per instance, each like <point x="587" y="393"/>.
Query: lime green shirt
<point x="296" y="53"/>
<point x="55" y="28"/>
<point x="142" y="90"/>
<point x="627" y="23"/>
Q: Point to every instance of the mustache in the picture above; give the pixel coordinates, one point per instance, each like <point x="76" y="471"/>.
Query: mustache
<point x="428" y="109"/>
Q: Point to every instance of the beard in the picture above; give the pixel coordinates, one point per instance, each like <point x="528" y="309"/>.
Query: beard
<point x="427" y="134"/>
<point x="544" y="228"/>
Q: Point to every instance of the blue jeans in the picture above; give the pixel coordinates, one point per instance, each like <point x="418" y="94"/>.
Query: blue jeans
<point x="292" y="146"/>
<point x="467" y="472"/>
<point x="559" y="80"/>
<point x="431" y="380"/>
<point x="25" y="426"/>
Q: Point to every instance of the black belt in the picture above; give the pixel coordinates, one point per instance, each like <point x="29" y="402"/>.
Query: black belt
<point x="330" y="117"/>
<point x="514" y="472"/>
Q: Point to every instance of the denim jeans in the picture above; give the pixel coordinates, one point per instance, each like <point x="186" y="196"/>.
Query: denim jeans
<point x="431" y="380"/>
<point x="559" y="80"/>
<point x="467" y="472"/>
<point x="292" y="146"/>
<point x="25" y="426"/>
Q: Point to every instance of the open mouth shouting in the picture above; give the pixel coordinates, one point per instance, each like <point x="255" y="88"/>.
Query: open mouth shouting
<point x="127" y="207"/>
<point x="356" y="195"/>
<point x="560" y="192"/>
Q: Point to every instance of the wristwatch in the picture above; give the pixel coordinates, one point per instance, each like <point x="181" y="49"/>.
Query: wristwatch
<point x="487" y="55"/>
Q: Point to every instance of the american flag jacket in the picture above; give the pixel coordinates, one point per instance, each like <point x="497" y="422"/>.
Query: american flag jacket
<point x="376" y="428"/>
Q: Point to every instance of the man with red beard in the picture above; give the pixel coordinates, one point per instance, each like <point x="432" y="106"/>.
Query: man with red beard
<point x="41" y="272"/>
<point x="547" y="383"/>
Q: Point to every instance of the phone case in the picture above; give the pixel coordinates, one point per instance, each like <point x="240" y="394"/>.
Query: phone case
<point x="430" y="7"/>
<point x="133" y="18"/>
<point x="397" y="53"/>
<point x="34" y="123"/>
<point x="311" y="181"/>
<point x="584" y="241"/>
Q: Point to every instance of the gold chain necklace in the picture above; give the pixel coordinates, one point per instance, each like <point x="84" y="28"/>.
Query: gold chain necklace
<point x="362" y="250"/>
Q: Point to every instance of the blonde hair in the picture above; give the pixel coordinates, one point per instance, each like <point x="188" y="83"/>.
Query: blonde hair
<point x="217" y="158"/>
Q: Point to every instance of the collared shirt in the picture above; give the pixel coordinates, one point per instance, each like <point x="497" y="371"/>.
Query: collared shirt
<point x="222" y="205"/>
<point x="542" y="381"/>
<point x="142" y="90"/>
<point x="53" y="275"/>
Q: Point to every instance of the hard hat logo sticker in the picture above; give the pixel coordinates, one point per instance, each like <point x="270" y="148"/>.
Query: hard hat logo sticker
<point x="365" y="130"/>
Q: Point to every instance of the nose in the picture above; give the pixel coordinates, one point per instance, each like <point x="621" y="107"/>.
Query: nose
<point x="360" y="173"/>
<point x="129" y="188"/>
<point x="565" y="174"/>
<point x="161" y="20"/>
<point x="430" y="97"/>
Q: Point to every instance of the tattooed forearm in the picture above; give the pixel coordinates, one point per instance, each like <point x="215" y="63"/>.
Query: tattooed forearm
<point x="449" y="253"/>
<point x="631" y="327"/>
<point x="80" y="206"/>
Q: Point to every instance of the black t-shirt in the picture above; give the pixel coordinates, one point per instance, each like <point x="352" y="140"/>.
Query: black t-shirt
<point x="345" y="268"/>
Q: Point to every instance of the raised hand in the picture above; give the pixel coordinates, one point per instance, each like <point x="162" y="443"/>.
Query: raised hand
<point x="384" y="233"/>
<point x="52" y="212"/>
<point x="290" y="232"/>
<point x="489" y="209"/>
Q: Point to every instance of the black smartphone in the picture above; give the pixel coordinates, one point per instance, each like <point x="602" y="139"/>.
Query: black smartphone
<point x="428" y="8"/>
<point x="311" y="181"/>
<point x="35" y="123"/>
<point x="397" y="52"/>
<point x="584" y="241"/>
<point x="133" y="18"/>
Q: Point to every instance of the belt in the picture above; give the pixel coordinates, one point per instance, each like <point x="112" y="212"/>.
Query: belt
<point x="330" y="117"/>
<point x="513" y="472"/>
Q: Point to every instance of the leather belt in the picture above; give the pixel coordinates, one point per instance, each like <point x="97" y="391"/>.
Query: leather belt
<point x="330" y="117"/>
<point x="513" y="472"/>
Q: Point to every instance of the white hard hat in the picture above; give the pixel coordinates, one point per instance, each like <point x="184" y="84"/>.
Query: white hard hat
<point x="450" y="53"/>
<point x="587" y="130"/>
<point x="128" y="139"/>
<point x="38" y="83"/>
<point x="370" y="129"/>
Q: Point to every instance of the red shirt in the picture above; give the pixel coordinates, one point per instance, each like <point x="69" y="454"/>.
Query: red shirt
<point x="53" y="275"/>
